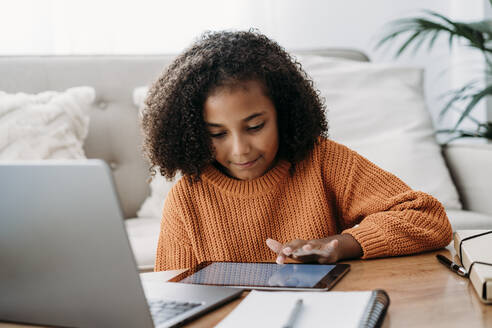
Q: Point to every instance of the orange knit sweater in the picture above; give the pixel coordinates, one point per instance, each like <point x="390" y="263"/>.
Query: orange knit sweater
<point x="334" y="190"/>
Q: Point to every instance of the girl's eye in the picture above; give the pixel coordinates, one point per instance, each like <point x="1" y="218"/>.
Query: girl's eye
<point x="257" y="127"/>
<point x="252" y="128"/>
<point x="217" y="135"/>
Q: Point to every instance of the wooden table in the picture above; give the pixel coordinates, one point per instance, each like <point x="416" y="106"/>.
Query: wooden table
<point x="423" y="293"/>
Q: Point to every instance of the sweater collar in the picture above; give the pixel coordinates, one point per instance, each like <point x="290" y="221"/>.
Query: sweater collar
<point x="247" y="187"/>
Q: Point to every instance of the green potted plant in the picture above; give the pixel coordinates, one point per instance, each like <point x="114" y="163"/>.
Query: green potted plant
<point x="477" y="35"/>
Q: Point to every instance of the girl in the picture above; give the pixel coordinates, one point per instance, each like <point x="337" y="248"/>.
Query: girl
<point x="240" y="119"/>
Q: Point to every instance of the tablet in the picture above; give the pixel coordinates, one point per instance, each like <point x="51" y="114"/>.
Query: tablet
<point x="270" y="276"/>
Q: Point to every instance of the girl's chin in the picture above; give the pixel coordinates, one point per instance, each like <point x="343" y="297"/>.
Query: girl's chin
<point x="243" y="175"/>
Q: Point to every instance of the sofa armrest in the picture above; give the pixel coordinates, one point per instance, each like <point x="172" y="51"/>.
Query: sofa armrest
<point x="470" y="166"/>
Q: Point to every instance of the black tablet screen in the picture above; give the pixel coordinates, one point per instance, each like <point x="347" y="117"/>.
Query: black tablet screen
<point x="260" y="274"/>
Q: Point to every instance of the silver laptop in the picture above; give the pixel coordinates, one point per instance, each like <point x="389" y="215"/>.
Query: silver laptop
<point x="65" y="259"/>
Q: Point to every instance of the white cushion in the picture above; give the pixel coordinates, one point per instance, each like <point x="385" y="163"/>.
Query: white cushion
<point x="139" y="95"/>
<point x="153" y="204"/>
<point x="379" y="111"/>
<point x="463" y="220"/>
<point x="47" y="125"/>
<point x="159" y="186"/>
<point x="143" y="234"/>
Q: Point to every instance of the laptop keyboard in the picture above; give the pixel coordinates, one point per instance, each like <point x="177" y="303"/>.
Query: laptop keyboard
<point x="163" y="310"/>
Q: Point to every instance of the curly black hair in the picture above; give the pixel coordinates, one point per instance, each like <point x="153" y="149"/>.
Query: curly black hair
<point x="175" y="134"/>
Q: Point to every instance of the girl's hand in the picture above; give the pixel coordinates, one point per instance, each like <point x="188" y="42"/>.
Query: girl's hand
<point x="326" y="250"/>
<point x="317" y="250"/>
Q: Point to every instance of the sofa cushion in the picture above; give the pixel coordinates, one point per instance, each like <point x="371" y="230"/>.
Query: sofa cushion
<point x="159" y="186"/>
<point x="379" y="111"/>
<point x="143" y="234"/>
<point x="47" y="125"/>
<point x="153" y="204"/>
<point x="464" y="220"/>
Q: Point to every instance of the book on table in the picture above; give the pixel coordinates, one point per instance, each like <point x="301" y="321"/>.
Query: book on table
<point x="478" y="249"/>
<point x="333" y="309"/>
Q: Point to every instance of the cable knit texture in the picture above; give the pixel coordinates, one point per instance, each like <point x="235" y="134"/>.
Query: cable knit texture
<point x="334" y="190"/>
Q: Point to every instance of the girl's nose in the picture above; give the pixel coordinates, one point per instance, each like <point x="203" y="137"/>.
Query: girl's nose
<point x="240" y="146"/>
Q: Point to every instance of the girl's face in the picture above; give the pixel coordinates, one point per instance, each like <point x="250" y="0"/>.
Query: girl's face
<point x="242" y="122"/>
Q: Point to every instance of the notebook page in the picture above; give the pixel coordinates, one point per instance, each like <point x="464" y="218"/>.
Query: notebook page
<point x="272" y="309"/>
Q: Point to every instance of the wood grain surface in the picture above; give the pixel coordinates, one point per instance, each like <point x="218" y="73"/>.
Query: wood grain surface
<point x="422" y="291"/>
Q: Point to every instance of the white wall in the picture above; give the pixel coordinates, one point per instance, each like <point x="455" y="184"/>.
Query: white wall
<point x="360" y="24"/>
<point x="153" y="26"/>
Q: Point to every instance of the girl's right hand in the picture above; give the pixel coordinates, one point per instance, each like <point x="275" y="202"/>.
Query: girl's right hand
<point x="327" y="250"/>
<point x="321" y="251"/>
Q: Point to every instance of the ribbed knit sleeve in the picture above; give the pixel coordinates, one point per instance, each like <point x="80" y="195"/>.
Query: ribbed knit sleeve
<point x="174" y="250"/>
<point x="390" y="218"/>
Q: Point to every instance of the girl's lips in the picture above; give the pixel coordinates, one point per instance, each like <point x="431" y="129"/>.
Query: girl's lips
<point x="247" y="164"/>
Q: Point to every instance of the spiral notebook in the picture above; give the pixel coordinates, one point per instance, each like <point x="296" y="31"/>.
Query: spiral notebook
<point x="334" y="309"/>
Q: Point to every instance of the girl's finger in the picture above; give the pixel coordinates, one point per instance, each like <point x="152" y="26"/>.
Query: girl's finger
<point x="307" y="247"/>
<point x="274" y="245"/>
<point x="330" y="250"/>
<point x="331" y="245"/>
<point x="327" y="250"/>
<point x="280" y="259"/>
<point x="293" y="246"/>
<point x="287" y="250"/>
<point x="322" y="253"/>
<point x="309" y="258"/>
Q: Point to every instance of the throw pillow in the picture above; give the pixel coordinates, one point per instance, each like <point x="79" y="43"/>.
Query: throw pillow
<point x="159" y="186"/>
<point x="47" y="125"/>
<point x="379" y="111"/>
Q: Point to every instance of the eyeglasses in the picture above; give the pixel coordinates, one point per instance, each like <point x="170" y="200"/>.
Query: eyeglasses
<point x="474" y="262"/>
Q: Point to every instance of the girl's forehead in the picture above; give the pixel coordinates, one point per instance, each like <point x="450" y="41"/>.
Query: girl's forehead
<point x="236" y="103"/>
<point x="248" y="90"/>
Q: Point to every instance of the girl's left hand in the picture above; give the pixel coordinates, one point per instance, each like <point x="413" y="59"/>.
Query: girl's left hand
<point x="322" y="251"/>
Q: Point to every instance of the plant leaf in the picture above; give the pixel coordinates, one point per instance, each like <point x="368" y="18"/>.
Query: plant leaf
<point x="457" y="95"/>
<point x="475" y="99"/>
<point x="405" y="45"/>
<point x="419" y="28"/>
<point x="450" y="103"/>
<point x="433" y="39"/>
<point x="478" y="34"/>
<point x="483" y="26"/>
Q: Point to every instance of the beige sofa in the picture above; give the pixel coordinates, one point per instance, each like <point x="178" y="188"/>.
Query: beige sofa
<point x="114" y="134"/>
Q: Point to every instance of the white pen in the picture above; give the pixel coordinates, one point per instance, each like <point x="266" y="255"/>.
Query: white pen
<point x="293" y="314"/>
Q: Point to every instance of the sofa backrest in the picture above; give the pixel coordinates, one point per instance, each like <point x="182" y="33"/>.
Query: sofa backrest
<point x="114" y="134"/>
